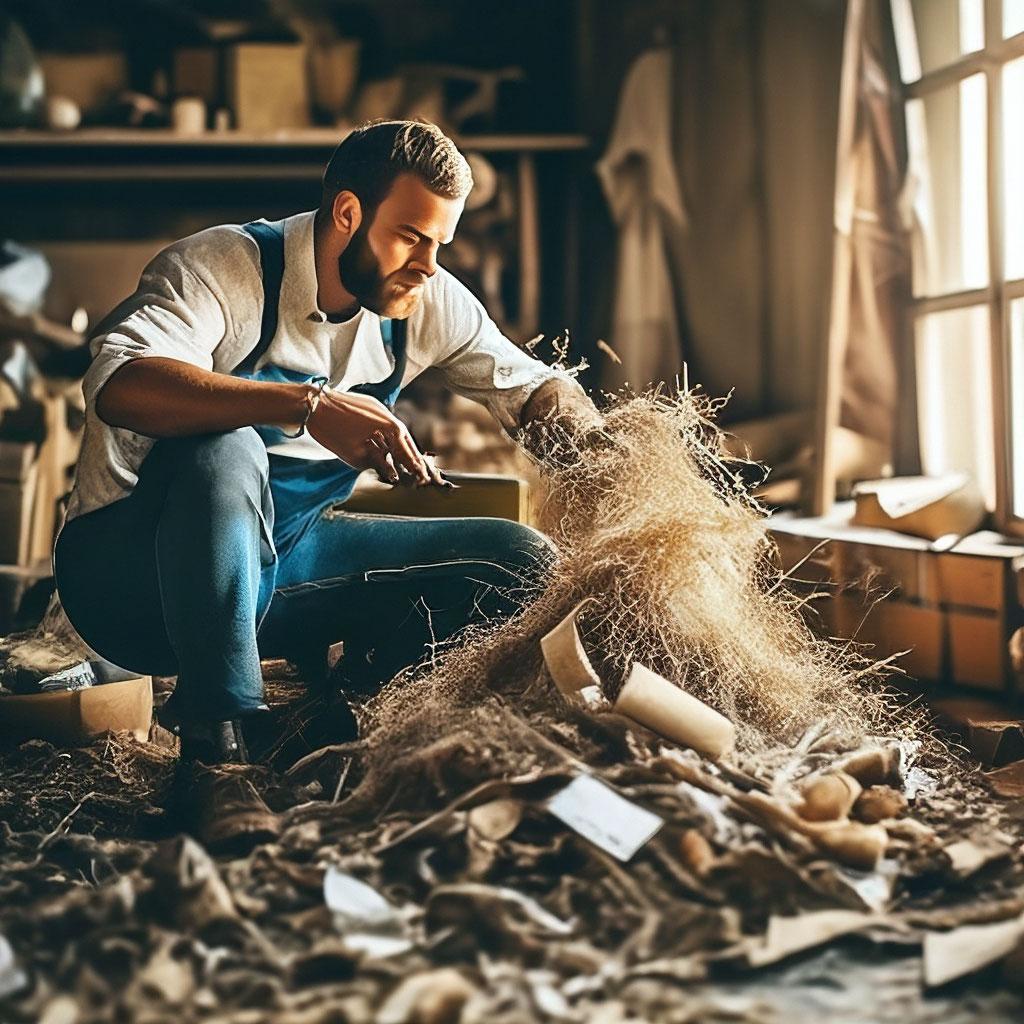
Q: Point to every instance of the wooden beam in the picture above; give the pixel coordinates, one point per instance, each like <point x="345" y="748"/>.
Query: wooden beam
<point x="823" y="483"/>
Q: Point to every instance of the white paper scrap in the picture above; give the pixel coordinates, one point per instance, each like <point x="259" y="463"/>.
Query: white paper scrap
<point x="354" y="899"/>
<point x="377" y="947"/>
<point x="367" y="921"/>
<point x="12" y="977"/>
<point x="788" y="935"/>
<point x="598" y="813"/>
<point x="964" y="950"/>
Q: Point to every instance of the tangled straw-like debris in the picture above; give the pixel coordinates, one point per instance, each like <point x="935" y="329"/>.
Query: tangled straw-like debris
<point x="655" y="525"/>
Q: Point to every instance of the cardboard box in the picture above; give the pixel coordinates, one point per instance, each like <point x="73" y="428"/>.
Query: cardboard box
<point x="887" y="626"/>
<point x="266" y="86"/>
<point x="33" y="480"/>
<point x="930" y="507"/>
<point x="57" y="455"/>
<point x="92" y="80"/>
<point x="197" y="72"/>
<point x="905" y="571"/>
<point x="807" y="561"/>
<point x="77" y="717"/>
<point x="988" y="728"/>
<point x="971" y="581"/>
<point x="979" y="650"/>
<point x="954" y="609"/>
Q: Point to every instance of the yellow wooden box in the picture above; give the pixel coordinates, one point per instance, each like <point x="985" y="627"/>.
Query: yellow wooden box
<point x="477" y="494"/>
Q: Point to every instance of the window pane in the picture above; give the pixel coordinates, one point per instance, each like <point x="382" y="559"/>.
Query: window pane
<point x="1017" y="403"/>
<point x="1013" y="166"/>
<point x="954" y="395"/>
<point x="945" y="31"/>
<point x="946" y="132"/>
<point x="1013" y="17"/>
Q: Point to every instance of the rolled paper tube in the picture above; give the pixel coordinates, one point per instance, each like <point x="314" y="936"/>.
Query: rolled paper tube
<point x="664" y="708"/>
<point x="853" y="844"/>
<point x="828" y="797"/>
<point x="565" y="658"/>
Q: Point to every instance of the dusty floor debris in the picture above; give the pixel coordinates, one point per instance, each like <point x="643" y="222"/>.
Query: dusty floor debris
<point x="498" y="908"/>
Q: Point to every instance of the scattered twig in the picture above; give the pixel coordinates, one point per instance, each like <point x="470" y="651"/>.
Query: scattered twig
<point x="65" y="821"/>
<point x="341" y="780"/>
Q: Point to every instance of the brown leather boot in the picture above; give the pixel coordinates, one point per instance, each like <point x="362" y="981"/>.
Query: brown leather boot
<point x="226" y="813"/>
<point x="214" y="799"/>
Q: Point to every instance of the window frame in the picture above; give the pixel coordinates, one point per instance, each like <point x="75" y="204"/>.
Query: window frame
<point x="997" y="295"/>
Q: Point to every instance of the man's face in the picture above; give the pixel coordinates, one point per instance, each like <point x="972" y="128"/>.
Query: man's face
<point x="387" y="261"/>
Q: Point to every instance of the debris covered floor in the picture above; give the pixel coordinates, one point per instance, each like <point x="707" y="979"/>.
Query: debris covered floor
<point x="488" y="907"/>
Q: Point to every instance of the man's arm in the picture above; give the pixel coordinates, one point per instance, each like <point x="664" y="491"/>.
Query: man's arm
<point x="164" y="397"/>
<point x="168" y="398"/>
<point x="451" y="331"/>
<point x="152" y="371"/>
<point x="561" y="402"/>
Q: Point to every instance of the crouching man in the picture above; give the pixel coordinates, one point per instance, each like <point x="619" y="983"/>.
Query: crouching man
<point x="232" y="402"/>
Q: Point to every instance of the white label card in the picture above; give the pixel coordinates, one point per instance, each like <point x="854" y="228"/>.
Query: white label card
<point x="598" y="813"/>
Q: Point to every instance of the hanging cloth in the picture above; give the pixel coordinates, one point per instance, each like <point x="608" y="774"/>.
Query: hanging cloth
<point x="639" y="179"/>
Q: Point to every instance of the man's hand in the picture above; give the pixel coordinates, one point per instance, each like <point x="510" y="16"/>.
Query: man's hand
<point x="365" y="434"/>
<point x="558" y="410"/>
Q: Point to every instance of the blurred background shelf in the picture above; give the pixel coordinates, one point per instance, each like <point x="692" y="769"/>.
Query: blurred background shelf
<point x="125" y="154"/>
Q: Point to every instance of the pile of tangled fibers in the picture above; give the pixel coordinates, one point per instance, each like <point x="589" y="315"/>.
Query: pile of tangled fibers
<point x="653" y="523"/>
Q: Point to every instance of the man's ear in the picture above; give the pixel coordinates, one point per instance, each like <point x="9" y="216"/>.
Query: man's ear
<point x="347" y="212"/>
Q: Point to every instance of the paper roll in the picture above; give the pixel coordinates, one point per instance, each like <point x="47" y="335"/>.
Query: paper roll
<point x="828" y="796"/>
<point x="853" y="844"/>
<point x="664" y="708"/>
<point x="565" y="657"/>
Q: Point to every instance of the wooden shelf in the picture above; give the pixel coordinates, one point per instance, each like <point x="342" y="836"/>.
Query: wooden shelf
<point x="288" y="137"/>
<point x="105" y="154"/>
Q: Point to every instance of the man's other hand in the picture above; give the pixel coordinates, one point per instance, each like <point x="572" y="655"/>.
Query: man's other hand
<point x="557" y="410"/>
<point x="365" y="434"/>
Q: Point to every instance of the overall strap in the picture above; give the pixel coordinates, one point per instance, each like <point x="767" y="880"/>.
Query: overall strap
<point x="270" y="239"/>
<point x="393" y="333"/>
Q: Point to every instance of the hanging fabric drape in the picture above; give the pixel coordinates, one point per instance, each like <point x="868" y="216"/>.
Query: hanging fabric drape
<point x="639" y="179"/>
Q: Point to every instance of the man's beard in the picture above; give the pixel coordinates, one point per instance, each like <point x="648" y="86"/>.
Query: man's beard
<point x="361" y="277"/>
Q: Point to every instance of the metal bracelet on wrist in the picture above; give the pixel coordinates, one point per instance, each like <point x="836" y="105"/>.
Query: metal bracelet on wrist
<point x="313" y="395"/>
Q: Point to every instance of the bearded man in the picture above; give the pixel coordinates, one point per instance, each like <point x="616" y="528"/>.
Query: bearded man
<point x="231" y="403"/>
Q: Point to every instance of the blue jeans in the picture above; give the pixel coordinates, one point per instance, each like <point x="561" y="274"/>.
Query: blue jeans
<point x="178" y="578"/>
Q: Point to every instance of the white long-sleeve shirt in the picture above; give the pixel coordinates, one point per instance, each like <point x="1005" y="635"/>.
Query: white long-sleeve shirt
<point x="201" y="301"/>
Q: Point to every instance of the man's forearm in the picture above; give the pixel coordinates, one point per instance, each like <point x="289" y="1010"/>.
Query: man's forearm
<point x="169" y="398"/>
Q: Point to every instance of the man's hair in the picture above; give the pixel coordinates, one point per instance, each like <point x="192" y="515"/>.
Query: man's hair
<point x="367" y="162"/>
